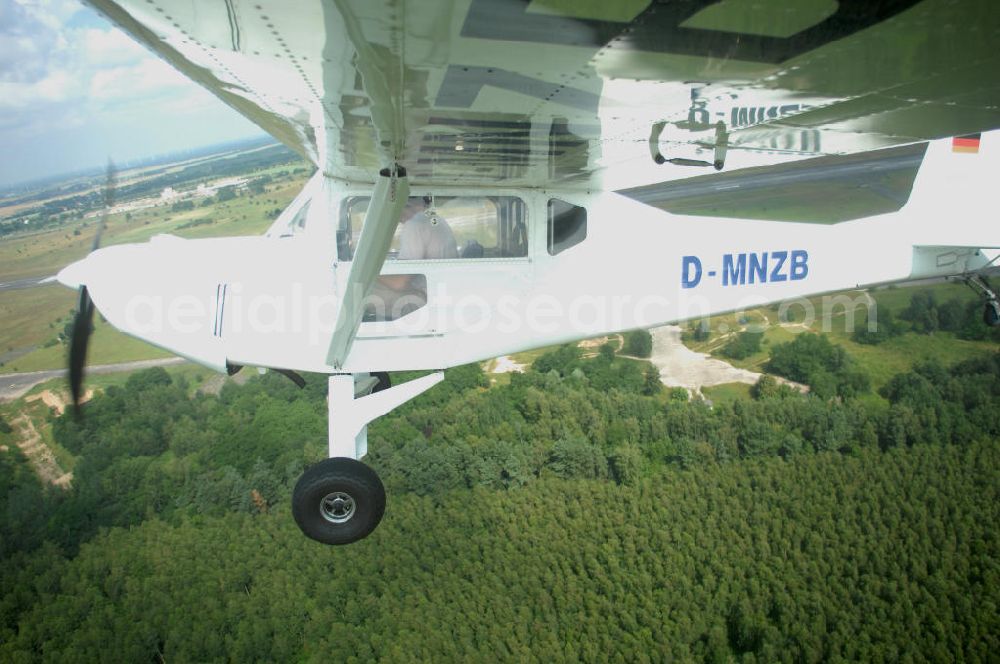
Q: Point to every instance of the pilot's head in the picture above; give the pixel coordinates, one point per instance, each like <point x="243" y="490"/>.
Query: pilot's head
<point x="414" y="206"/>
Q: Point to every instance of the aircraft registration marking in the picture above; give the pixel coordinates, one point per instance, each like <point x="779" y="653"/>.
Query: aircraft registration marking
<point x="748" y="268"/>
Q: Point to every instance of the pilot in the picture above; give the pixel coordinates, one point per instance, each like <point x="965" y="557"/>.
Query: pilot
<point x="424" y="236"/>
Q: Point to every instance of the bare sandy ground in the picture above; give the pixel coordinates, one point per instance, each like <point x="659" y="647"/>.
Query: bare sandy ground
<point x="39" y="455"/>
<point x="682" y="367"/>
<point x="679" y="366"/>
<point x="505" y="364"/>
<point x="58" y="400"/>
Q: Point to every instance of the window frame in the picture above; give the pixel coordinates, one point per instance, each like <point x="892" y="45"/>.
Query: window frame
<point x="495" y="198"/>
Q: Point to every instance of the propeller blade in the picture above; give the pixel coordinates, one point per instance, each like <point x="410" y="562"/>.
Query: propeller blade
<point x="110" y="184"/>
<point x="97" y="236"/>
<point x="83" y="325"/>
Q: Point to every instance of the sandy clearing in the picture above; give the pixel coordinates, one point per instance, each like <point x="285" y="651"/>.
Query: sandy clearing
<point x="58" y="400"/>
<point x="42" y="461"/>
<point x="505" y="364"/>
<point x="594" y="344"/>
<point x="679" y="366"/>
<point x="682" y="367"/>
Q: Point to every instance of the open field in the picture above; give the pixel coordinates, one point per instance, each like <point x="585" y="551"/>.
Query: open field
<point x="107" y="346"/>
<point x="726" y="392"/>
<point x="45" y="253"/>
<point x="32" y="316"/>
<point x="54" y="200"/>
<point x="881" y="362"/>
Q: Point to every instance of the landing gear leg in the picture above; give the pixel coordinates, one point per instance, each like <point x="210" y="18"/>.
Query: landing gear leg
<point x="341" y="500"/>
<point x="991" y="306"/>
<point x="991" y="313"/>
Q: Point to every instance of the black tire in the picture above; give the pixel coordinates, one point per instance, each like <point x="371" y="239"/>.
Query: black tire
<point x="384" y="382"/>
<point x="991" y="314"/>
<point x="321" y="509"/>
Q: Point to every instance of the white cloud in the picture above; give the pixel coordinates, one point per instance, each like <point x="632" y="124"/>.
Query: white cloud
<point x="110" y="48"/>
<point x="53" y="70"/>
<point x="57" y="87"/>
<point x="147" y="78"/>
<point x="26" y="43"/>
<point x="72" y="86"/>
<point x="52" y="13"/>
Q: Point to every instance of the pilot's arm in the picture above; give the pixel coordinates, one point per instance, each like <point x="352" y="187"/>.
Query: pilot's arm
<point x="412" y="245"/>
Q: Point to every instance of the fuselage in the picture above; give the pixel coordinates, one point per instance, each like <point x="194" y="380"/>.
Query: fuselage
<point x="273" y="301"/>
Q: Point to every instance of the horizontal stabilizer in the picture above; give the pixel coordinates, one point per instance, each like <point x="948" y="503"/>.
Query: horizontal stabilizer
<point x="953" y="199"/>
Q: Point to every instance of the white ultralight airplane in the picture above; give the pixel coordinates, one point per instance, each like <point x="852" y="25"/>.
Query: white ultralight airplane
<point x="504" y="128"/>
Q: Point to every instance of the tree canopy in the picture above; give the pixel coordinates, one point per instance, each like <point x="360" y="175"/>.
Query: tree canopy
<point x="638" y="343"/>
<point x="826" y="368"/>
<point x="567" y="516"/>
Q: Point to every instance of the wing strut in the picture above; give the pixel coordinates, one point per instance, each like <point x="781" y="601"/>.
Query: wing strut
<point x="388" y="199"/>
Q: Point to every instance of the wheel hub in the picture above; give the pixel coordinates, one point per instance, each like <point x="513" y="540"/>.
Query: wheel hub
<point x="337" y="507"/>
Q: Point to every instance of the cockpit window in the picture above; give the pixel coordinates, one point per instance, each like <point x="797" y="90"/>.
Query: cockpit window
<point x="445" y="227"/>
<point x="567" y="226"/>
<point x="394" y="296"/>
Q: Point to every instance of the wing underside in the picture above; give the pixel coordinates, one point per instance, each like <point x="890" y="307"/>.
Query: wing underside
<point x="553" y="92"/>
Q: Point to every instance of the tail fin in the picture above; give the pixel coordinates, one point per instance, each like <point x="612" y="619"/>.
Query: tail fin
<point x="953" y="198"/>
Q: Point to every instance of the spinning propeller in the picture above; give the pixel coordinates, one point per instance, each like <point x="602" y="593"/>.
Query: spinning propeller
<point x="83" y="323"/>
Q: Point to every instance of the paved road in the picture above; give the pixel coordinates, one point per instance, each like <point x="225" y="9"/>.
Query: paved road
<point x="13" y="386"/>
<point x="18" y="284"/>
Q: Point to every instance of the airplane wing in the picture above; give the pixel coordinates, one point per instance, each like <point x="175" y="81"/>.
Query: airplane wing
<point x="560" y="92"/>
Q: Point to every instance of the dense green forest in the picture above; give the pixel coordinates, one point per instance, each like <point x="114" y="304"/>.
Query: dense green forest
<point x="576" y="513"/>
<point x="926" y="314"/>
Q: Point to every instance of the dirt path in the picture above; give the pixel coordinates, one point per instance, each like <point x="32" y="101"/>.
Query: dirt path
<point x="39" y="455"/>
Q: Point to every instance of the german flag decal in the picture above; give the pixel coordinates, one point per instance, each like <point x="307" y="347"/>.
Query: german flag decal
<point x="969" y="143"/>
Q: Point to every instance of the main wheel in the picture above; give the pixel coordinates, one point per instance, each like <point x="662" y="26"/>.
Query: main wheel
<point x="338" y="501"/>
<point x="384" y="382"/>
<point x="991" y="313"/>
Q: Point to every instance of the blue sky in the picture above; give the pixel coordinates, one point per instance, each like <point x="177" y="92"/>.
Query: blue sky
<point x="75" y="90"/>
